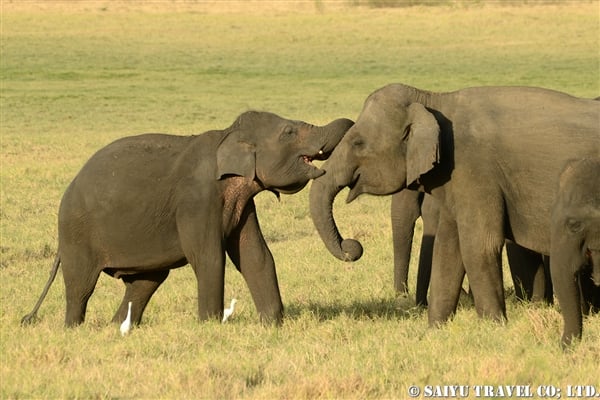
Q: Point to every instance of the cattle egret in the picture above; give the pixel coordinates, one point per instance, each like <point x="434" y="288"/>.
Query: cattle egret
<point x="126" y="325"/>
<point x="228" y="311"/>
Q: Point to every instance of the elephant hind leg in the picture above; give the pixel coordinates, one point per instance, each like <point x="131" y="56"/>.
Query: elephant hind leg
<point x="430" y="215"/>
<point x="80" y="280"/>
<point x="139" y="288"/>
<point x="424" y="271"/>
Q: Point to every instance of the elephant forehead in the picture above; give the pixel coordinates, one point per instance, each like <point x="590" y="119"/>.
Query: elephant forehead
<point x="378" y="104"/>
<point x="381" y="113"/>
<point x="257" y="117"/>
<point x="585" y="171"/>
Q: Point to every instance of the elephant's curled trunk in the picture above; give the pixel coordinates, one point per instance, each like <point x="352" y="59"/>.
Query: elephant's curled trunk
<point x="322" y="195"/>
<point x="333" y="133"/>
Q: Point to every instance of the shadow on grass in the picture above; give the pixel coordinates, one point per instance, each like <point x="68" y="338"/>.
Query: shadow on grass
<point x="387" y="308"/>
<point x="391" y="308"/>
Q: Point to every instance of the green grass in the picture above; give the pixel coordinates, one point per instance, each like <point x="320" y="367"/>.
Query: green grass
<point x="75" y="78"/>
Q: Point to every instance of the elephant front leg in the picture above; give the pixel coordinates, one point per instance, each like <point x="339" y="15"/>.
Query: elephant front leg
<point x="203" y="248"/>
<point x="249" y="252"/>
<point x="447" y="272"/>
<point x="405" y="209"/>
<point x="424" y="272"/>
<point x="210" y="273"/>
<point x="139" y="288"/>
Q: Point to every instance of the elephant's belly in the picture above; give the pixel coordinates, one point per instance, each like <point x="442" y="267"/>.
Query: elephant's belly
<point x="533" y="235"/>
<point x="118" y="272"/>
<point x="141" y="254"/>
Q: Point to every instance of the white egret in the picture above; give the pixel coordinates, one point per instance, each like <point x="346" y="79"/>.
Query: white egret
<point x="126" y="325"/>
<point x="228" y="311"/>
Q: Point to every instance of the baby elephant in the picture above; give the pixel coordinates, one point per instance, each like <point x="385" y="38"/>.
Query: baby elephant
<point x="146" y="204"/>
<point x="575" y="242"/>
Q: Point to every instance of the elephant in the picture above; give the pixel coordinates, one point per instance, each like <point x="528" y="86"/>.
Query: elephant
<point x="488" y="155"/>
<point x="530" y="271"/>
<point x="575" y="243"/>
<point x="146" y="204"/>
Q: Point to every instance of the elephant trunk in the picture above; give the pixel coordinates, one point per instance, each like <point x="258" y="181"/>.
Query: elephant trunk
<point x="331" y="135"/>
<point x="566" y="288"/>
<point x="322" y="195"/>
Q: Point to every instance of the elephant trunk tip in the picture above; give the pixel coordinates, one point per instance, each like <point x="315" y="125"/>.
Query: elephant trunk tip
<point x="351" y="249"/>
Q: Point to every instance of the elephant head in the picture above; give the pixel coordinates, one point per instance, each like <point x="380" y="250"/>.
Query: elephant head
<point x="575" y="239"/>
<point x="392" y="144"/>
<point x="277" y="152"/>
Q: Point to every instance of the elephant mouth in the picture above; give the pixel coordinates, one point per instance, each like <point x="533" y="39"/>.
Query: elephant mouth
<point x="355" y="188"/>
<point x="307" y="160"/>
<point x="320" y="155"/>
<point x="308" y="171"/>
<point x="593" y="255"/>
<point x="312" y="170"/>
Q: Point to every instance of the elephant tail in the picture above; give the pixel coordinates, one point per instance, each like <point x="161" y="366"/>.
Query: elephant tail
<point x="32" y="316"/>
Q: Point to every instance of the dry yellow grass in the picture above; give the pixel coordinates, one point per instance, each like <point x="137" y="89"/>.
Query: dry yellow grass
<point x="161" y="6"/>
<point x="77" y="75"/>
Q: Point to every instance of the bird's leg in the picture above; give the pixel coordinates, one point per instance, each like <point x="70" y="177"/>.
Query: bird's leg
<point x="139" y="288"/>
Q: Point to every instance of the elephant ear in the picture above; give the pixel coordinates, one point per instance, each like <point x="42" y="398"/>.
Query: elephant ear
<point x="236" y="157"/>
<point x="423" y="142"/>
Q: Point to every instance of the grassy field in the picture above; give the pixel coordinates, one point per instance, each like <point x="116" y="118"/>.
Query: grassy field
<point x="75" y="76"/>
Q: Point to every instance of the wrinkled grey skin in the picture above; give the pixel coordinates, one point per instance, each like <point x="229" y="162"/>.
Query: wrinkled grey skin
<point x="146" y="204"/>
<point x="488" y="155"/>
<point x="575" y="250"/>
<point x="530" y="274"/>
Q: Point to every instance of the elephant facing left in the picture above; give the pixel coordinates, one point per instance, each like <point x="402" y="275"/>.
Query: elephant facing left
<point x="575" y="243"/>
<point x="146" y="204"/>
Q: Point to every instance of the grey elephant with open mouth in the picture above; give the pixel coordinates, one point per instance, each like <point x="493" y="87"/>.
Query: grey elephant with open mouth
<point x="146" y="204"/>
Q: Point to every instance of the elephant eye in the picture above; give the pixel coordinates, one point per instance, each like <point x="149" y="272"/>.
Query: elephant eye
<point x="574" y="225"/>
<point x="358" y="142"/>
<point x="288" y="132"/>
